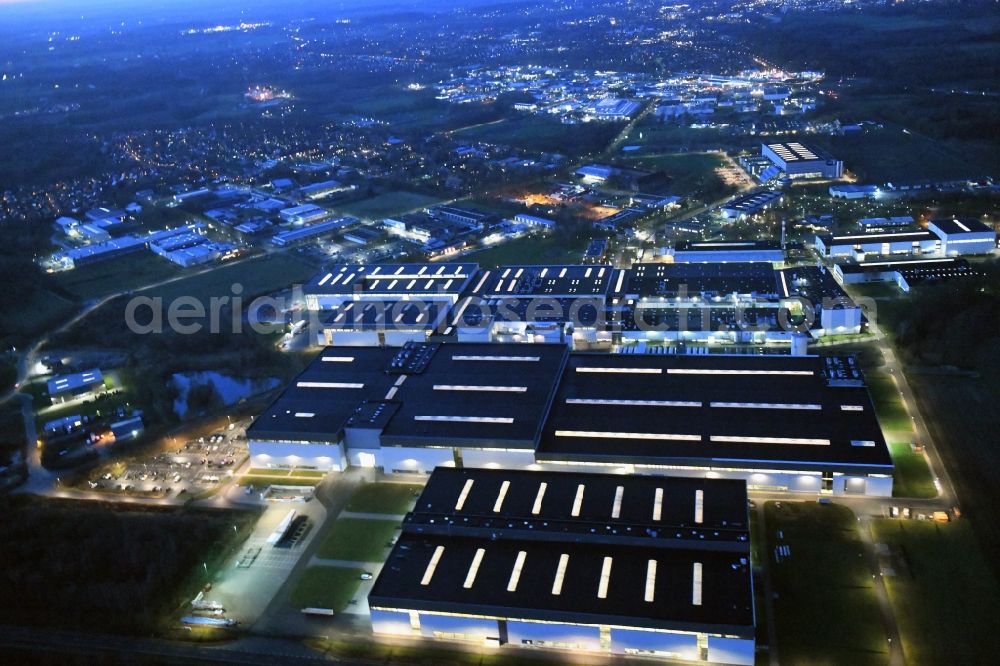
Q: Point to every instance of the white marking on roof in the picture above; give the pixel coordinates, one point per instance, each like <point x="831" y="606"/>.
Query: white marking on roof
<point x="536" y="508"/>
<point x="658" y="504"/>
<point x="765" y="405"/>
<point x="696" y="585"/>
<point x="597" y="434"/>
<point x="706" y="371"/>
<point x="325" y="279"/>
<point x="464" y="495"/>
<point x="650" y="581"/>
<point x="481" y="281"/>
<point x="699" y="506"/>
<point x="577" y="501"/>
<point x="498" y="505"/>
<point x="480" y="389"/>
<point x="465" y="419"/>
<point x="616" y="508"/>
<point x="496" y="358"/>
<point x="560" y="574"/>
<point x="734" y="439"/>
<point x="602" y="586"/>
<point x="432" y="565"/>
<point x="330" y="385"/>
<point x="621" y="371"/>
<point x="304" y="415"/>
<point x="477" y="559"/>
<point x="515" y="574"/>
<point x="634" y="403"/>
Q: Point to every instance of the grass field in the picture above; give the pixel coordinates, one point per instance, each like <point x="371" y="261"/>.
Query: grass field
<point x="393" y="498"/>
<point x="944" y="595"/>
<point x="261" y="480"/>
<point x="888" y="404"/>
<point x="325" y="587"/>
<point x="963" y="419"/>
<point x="826" y="610"/>
<point x="388" y="204"/>
<point x="912" y="477"/>
<point x="539" y="133"/>
<point x="47" y="310"/>
<point x="257" y="276"/>
<point x="892" y="155"/>
<point x="531" y="250"/>
<point x="116" y="275"/>
<point x="690" y="173"/>
<point x="358" y="540"/>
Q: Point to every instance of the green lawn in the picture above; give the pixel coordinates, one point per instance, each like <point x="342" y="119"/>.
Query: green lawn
<point x="384" y="498"/>
<point x="325" y="587"/>
<point x="888" y="404"/>
<point x="912" y="477"/>
<point x="388" y="204"/>
<point x="260" y="480"/>
<point x="536" y="132"/>
<point x="108" y="277"/>
<point x="944" y="596"/>
<point x="358" y="540"/>
<point x="531" y="250"/>
<point x="257" y="276"/>
<point x="690" y="173"/>
<point x="826" y="610"/>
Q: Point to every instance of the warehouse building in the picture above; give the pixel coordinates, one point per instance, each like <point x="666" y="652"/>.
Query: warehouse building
<point x="388" y="282"/>
<point x="535" y="304"/>
<point x="907" y="273"/>
<point x="638" y="565"/>
<point x="66" y="388"/>
<point x="800" y="161"/>
<point x="795" y="423"/>
<point x="965" y="235"/>
<point x="304" y="214"/>
<point x="887" y="242"/>
<point x="750" y="203"/>
<point x="726" y="251"/>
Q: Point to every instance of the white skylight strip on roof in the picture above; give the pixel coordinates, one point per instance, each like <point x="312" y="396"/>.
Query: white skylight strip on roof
<point x="464" y="495"/>
<point x="325" y="279"/>
<point x="480" y="389"/>
<point x="962" y="226"/>
<point x="906" y="264"/>
<point x="505" y="274"/>
<point x="545" y="271"/>
<point x="536" y="508"/>
<point x="330" y="385"/>
<point x="616" y="507"/>
<point x="515" y="574"/>
<point x="432" y="565"/>
<point x="577" y="501"/>
<point x="696" y="585"/>
<point x="337" y="279"/>
<point x="477" y="559"/>
<point x="628" y="435"/>
<point x="890" y="235"/>
<point x="588" y="272"/>
<point x="499" y="286"/>
<point x="465" y="419"/>
<point x="784" y="284"/>
<point x="658" y="504"/>
<point x="800" y="441"/>
<point x="513" y="284"/>
<point x="707" y="371"/>
<point x="481" y="281"/>
<point x="852" y="408"/>
<point x="518" y="273"/>
<point x="338" y="359"/>
<point x="498" y="505"/>
<point x="699" y="506"/>
<point x="513" y="359"/>
<point x="391" y="393"/>
<point x="560" y="574"/>
<point x="765" y="405"/>
<point x="602" y="586"/>
<point x="632" y="403"/>
<point x="304" y="415"/>
<point x="621" y="280"/>
<point x="562" y="273"/>
<point x="620" y="371"/>
<point x="650" y="581"/>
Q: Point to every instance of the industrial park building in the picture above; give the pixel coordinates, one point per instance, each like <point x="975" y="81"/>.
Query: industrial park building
<point x="646" y="566"/>
<point x="779" y="422"/>
<point x="582" y="305"/>
<point x="799" y="161"/>
<point x="943" y="237"/>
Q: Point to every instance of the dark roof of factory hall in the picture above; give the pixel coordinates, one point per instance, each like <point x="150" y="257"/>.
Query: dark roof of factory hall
<point x="594" y="574"/>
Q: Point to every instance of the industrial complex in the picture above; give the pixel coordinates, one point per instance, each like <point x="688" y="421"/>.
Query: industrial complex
<point x="779" y="422"/>
<point x="625" y="565"/>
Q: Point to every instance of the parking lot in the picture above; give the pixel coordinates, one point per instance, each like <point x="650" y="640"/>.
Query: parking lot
<point x="187" y="468"/>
